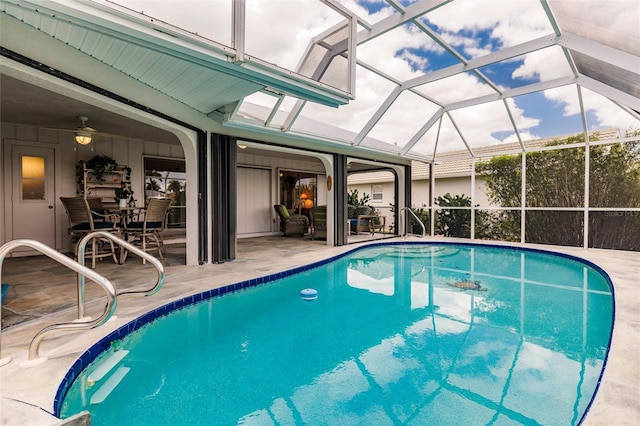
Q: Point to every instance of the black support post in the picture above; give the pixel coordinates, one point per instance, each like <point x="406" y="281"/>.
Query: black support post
<point x="340" y="190"/>
<point x="203" y="228"/>
<point x="223" y="197"/>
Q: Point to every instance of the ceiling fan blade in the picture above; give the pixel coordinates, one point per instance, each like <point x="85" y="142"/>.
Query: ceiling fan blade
<point x="57" y="129"/>
<point x="108" y="135"/>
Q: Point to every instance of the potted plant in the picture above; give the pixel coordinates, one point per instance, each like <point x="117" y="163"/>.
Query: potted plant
<point x="124" y="195"/>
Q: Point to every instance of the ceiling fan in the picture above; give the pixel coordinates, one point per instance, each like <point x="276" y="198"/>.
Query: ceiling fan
<point x="84" y="133"/>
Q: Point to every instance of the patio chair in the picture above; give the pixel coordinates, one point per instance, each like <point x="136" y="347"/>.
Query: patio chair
<point x="145" y="232"/>
<point x="82" y="222"/>
<point x="99" y="212"/>
<point x="319" y="222"/>
<point x="361" y="219"/>
<point x="291" y="224"/>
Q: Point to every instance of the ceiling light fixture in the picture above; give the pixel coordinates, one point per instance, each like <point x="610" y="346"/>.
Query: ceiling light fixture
<point x="83" y="137"/>
<point x="242" y="146"/>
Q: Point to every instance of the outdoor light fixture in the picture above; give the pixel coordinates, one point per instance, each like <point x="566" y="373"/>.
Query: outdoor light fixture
<point x="83" y="137"/>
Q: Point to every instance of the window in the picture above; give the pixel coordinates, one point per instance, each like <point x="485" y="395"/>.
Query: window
<point x="376" y="193"/>
<point x="166" y="178"/>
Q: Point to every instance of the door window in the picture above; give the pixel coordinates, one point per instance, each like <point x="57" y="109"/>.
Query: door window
<point x="33" y="178"/>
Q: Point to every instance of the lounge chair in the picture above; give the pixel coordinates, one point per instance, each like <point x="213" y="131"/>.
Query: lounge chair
<point x="291" y="224"/>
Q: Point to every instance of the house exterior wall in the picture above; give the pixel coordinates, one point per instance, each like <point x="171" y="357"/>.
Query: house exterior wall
<point x="452" y="185"/>
<point x="420" y="192"/>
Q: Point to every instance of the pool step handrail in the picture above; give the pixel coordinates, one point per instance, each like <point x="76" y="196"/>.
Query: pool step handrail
<point x="404" y="233"/>
<point x="33" y="358"/>
<point x="82" y="244"/>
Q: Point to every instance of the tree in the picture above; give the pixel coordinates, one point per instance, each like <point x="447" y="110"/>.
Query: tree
<point x="555" y="178"/>
<point x="448" y="222"/>
<point x="152" y="185"/>
<point x="353" y="198"/>
<point x="453" y="222"/>
<point x="423" y="216"/>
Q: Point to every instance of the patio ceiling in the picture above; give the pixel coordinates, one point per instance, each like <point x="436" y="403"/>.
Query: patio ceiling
<point x="430" y="76"/>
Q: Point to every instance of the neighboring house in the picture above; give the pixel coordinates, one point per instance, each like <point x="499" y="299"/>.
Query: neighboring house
<point x="453" y="173"/>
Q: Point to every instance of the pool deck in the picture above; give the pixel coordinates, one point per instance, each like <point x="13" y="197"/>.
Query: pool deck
<point x="43" y="293"/>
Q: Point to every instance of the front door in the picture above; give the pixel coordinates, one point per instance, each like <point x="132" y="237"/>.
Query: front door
<point x="32" y="195"/>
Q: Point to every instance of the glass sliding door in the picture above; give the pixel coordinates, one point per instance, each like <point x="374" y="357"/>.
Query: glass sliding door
<point x="298" y="191"/>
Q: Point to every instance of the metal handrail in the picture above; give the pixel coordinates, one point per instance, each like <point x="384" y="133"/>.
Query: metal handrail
<point x="82" y="271"/>
<point x="128" y="246"/>
<point x="424" y="230"/>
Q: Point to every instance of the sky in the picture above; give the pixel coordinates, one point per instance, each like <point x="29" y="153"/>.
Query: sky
<point x="278" y="31"/>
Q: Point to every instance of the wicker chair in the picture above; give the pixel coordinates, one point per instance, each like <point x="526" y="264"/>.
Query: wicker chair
<point x="291" y="224"/>
<point x="82" y="222"/>
<point x="360" y="219"/>
<point x="99" y="212"/>
<point x="319" y="222"/>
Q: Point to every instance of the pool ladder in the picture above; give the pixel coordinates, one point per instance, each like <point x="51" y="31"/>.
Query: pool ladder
<point x="82" y="323"/>
<point x="403" y="228"/>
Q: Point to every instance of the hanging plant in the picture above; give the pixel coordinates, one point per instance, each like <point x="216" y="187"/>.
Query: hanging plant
<point x="100" y="165"/>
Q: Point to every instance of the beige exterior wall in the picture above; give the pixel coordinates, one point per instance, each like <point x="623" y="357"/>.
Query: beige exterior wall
<point x="420" y="191"/>
<point x="454" y="186"/>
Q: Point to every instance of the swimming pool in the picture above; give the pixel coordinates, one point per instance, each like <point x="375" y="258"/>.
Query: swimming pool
<point x="391" y="339"/>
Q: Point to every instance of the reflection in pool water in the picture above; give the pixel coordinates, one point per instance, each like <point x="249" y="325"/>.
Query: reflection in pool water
<point x="387" y="341"/>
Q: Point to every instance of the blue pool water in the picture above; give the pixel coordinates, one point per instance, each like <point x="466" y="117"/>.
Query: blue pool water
<point x="391" y="339"/>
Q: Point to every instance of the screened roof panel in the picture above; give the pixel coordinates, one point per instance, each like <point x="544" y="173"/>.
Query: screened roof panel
<point x="491" y="117"/>
<point x="403" y="119"/>
<point x="405" y="52"/>
<point x="455" y="88"/>
<point x="611" y="75"/>
<point x="371" y="91"/>
<point x="280" y="31"/>
<point x="541" y="65"/>
<point x="450" y="139"/>
<point x="475" y="28"/>
<point x="602" y="113"/>
<point x="612" y="23"/>
<point x="534" y="122"/>
<point x="259" y="114"/>
<point x="336" y="72"/>
<point x="440" y="139"/>
<point x="426" y="144"/>
<point x="207" y="19"/>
